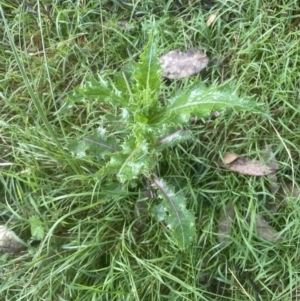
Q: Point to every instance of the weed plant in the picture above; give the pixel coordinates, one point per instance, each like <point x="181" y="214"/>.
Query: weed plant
<point x="74" y="211"/>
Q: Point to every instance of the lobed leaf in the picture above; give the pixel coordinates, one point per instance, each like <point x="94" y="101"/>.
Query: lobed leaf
<point x="178" y="219"/>
<point x="200" y="101"/>
<point x="147" y="73"/>
<point x="98" y="145"/>
<point x="104" y="91"/>
<point x="133" y="160"/>
<point x="174" y="138"/>
<point x="36" y="227"/>
<point x="158" y="211"/>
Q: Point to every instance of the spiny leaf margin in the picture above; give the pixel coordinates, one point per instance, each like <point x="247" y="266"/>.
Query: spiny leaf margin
<point x="179" y="219"/>
<point x="200" y="101"/>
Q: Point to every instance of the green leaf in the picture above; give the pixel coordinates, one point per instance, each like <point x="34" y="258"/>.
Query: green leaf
<point x="36" y="227"/>
<point x="175" y="138"/>
<point x="200" y="101"/>
<point x="178" y="219"/>
<point x="132" y="161"/>
<point x="78" y="148"/>
<point x="123" y="80"/>
<point x="97" y="145"/>
<point x="147" y="73"/>
<point x="102" y="90"/>
<point x="158" y="211"/>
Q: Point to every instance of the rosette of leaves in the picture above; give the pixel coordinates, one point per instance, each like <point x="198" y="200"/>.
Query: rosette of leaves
<point x="138" y="123"/>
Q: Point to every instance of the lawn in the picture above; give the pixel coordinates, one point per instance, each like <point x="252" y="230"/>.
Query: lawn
<point x="99" y="152"/>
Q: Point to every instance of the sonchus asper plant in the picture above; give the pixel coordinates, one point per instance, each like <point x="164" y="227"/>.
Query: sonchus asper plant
<point x="138" y="123"/>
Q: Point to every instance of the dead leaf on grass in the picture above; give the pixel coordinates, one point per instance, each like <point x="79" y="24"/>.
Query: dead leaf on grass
<point x="8" y="242"/>
<point x="248" y="166"/>
<point x="177" y="64"/>
<point x="211" y="19"/>
<point x="229" y="158"/>
<point x="225" y="223"/>
<point x="264" y="230"/>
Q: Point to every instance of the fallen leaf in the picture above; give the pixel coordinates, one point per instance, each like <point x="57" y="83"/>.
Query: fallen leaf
<point x="264" y="230"/>
<point x="225" y="223"/>
<point x="250" y="167"/>
<point x="8" y="242"/>
<point x="177" y="64"/>
<point x="229" y="158"/>
<point x="211" y="19"/>
<point x="246" y="166"/>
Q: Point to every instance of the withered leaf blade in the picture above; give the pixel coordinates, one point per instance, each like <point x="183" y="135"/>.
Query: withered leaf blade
<point x="250" y="167"/>
<point x="264" y="230"/>
<point x="8" y="243"/>
<point x="211" y="19"/>
<point x="225" y="223"/>
<point x="229" y="157"/>
<point x="177" y="64"/>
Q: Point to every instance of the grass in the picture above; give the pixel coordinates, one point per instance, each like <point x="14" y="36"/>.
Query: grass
<point x="87" y="249"/>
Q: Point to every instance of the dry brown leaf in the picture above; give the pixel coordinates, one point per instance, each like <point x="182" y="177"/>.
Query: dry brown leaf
<point x="225" y="223"/>
<point x="246" y="166"/>
<point x="229" y="158"/>
<point x="177" y="64"/>
<point x="250" y="167"/>
<point x="264" y="230"/>
<point x="8" y="243"/>
<point x="211" y="19"/>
